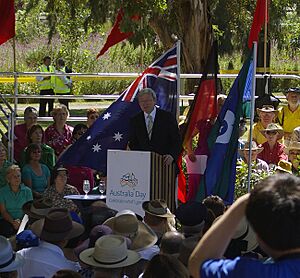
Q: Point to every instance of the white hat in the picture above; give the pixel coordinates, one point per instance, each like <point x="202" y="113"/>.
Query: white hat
<point x="9" y="260"/>
<point x="110" y="251"/>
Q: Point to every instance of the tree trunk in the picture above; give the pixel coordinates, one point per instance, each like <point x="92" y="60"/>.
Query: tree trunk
<point x="194" y="29"/>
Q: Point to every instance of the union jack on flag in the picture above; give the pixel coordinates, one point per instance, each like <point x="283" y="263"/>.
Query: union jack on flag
<point x="110" y="131"/>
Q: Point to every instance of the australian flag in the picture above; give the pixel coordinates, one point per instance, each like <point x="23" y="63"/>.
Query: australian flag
<point x="110" y="131"/>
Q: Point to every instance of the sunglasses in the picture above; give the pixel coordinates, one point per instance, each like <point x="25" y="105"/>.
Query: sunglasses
<point x="271" y="132"/>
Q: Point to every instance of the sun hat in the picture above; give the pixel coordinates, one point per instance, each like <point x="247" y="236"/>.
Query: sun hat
<point x="110" y="251"/>
<point x="284" y="166"/>
<point x="273" y="127"/>
<point x="157" y="208"/>
<point x="293" y="145"/>
<point x="246" y="147"/>
<point x="125" y="223"/>
<point x="268" y="109"/>
<point x="191" y="213"/>
<point x="38" y="208"/>
<point x="97" y="232"/>
<point x="9" y="260"/>
<point x="57" y="225"/>
<point x="292" y="90"/>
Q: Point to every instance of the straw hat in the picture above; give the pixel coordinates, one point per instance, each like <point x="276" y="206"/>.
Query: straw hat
<point x="293" y="145"/>
<point x="56" y="226"/>
<point x="157" y="208"/>
<point x="284" y="166"/>
<point x="255" y="148"/>
<point x="273" y="127"/>
<point x="268" y="109"/>
<point x="125" y="223"/>
<point x="37" y="209"/>
<point x="110" y="251"/>
<point x="9" y="260"/>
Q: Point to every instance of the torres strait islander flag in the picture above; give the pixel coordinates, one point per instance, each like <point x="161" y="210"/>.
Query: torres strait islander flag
<point x="111" y="129"/>
<point x="220" y="173"/>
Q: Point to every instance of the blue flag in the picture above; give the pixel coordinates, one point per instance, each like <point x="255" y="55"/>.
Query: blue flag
<point x="219" y="176"/>
<point x="110" y="131"/>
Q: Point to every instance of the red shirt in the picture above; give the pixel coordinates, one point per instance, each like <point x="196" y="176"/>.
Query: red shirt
<point x="56" y="140"/>
<point x="273" y="156"/>
<point x="20" y="141"/>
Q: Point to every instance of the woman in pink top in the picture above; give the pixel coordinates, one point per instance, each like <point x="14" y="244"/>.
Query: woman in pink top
<point x="59" y="134"/>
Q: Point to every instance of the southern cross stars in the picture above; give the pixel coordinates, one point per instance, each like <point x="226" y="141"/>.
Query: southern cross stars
<point x="96" y="148"/>
<point x="106" y="116"/>
<point x="118" y="136"/>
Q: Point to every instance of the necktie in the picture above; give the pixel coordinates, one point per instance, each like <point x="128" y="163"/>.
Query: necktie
<point x="149" y="125"/>
<point x="48" y="68"/>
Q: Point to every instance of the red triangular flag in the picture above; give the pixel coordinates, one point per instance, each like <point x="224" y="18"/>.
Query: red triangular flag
<point x="7" y="20"/>
<point x="115" y="35"/>
<point x="258" y="21"/>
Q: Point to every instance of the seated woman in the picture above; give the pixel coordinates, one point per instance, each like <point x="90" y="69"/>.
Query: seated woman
<point x="77" y="174"/>
<point x="59" y="134"/>
<point x="293" y="151"/>
<point x="273" y="151"/>
<point x="35" y="174"/>
<point x="92" y="115"/>
<point x="244" y="153"/>
<point x="4" y="164"/>
<point x="20" y="130"/>
<point x="59" y="188"/>
<point x="12" y="198"/>
<point x="35" y="135"/>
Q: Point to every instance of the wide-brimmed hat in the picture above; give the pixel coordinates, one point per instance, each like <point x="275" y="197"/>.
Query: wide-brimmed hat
<point x="110" y="251"/>
<point x="268" y="109"/>
<point x="158" y="208"/>
<point x="38" y="208"/>
<point x="273" y="127"/>
<point x="97" y="232"/>
<point x="9" y="260"/>
<point x="292" y="90"/>
<point x="246" y="147"/>
<point x="293" y="145"/>
<point x="284" y="166"/>
<point x="125" y="223"/>
<point x="56" y="226"/>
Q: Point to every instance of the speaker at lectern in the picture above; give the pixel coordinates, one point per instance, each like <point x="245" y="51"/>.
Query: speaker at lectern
<point x="136" y="176"/>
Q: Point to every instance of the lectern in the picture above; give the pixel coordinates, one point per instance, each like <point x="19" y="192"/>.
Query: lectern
<point x="135" y="176"/>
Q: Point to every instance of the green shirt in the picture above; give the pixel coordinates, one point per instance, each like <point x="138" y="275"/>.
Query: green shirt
<point x="47" y="158"/>
<point x="3" y="169"/>
<point x="13" y="202"/>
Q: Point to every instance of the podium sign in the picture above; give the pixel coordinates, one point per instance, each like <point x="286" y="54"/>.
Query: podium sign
<point x="128" y="180"/>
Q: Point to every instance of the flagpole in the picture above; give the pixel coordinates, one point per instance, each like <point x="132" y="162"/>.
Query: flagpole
<point x="178" y="76"/>
<point x="265" y="36"/>
<point x="252" y="113"/>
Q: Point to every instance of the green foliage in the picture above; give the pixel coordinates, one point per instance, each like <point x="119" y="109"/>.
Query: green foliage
<point x="241" y="183"/>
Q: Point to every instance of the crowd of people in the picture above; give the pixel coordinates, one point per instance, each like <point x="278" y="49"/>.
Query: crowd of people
<point x="257" y="236"/>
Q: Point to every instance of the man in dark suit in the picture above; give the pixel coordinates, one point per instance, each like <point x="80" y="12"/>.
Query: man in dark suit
<point x="154" y="129"/>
